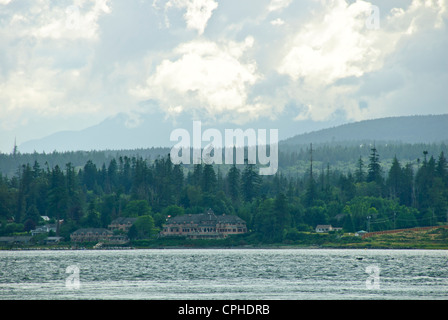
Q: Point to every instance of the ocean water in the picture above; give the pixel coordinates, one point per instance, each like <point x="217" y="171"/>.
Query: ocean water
<point x="224" y="274"/>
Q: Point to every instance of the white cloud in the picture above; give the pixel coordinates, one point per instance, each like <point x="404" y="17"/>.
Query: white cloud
<point x="337" y="45"/>
<point x="47" y="52"/>
<point x="38" y="91"/>
<point x="205" y="76"/>
<point x="276" y="5"/>
<point x="277" y="22"/>
<point x="43" y="20"/>
<point x="197" y="14"/>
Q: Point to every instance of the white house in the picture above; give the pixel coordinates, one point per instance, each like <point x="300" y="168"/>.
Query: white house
<point x="43" y="229"/>
<point x="324" y="228"/>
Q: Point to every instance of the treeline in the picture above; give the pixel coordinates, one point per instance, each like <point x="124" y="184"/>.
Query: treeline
<point x="348" y="152"/>
<point x="293" y="159"/>
<point x="276" y="208"/>
<point x="9" y="162"/>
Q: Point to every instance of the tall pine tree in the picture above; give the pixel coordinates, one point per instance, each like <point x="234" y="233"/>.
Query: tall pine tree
<point x="374" y="173"/>
<point x="250" y="182"/>
<point x="233" y="183"/>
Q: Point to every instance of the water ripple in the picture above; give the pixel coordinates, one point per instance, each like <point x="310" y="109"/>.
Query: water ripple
<point x="296" y="274"/>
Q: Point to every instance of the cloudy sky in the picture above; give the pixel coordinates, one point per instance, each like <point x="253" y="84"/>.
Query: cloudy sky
<point x="69" y="64"/>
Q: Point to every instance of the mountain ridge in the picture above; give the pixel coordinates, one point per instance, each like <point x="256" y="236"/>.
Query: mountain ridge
<point x="402" y="129"/>
<point x="115" y="134"/>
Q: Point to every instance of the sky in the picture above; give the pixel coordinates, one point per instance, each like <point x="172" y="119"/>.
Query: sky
<point x="70" y="64"/>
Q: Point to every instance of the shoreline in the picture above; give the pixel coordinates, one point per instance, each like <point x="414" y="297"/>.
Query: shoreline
<point x="409" y="239"/>
<point x="267" y="247"/>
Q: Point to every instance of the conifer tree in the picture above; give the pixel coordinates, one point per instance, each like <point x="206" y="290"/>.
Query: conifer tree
<point x="250" y="182"/>
<point x="394" y="179"/>
<point x="442" y="168"/>
<point x="374" y="173"/>
<point x="359" y="173"/>
<point x="234" y="183"/>
<point x="208" y="179"/>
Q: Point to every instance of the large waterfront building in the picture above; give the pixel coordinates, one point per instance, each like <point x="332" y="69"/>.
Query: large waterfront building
<point x="206" y="225"/>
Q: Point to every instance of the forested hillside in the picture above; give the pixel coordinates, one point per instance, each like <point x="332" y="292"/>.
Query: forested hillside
<point x="409" y="129"/>
<point x="369" y="195"/>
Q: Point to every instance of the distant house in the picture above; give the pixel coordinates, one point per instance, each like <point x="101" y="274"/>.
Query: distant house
<point x="97" y="235"/>
<point x="15" y="240"/>
<point x="43" y="229"/>
<point x="324" y="228"/>
<point x="360" y="233"/>
<point x="204" y="226"/>
<point x="122" y="224"/>
<point x="91" y="235"/>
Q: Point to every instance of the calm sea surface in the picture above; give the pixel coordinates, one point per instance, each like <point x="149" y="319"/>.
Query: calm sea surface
<point x="227" y="274"/>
